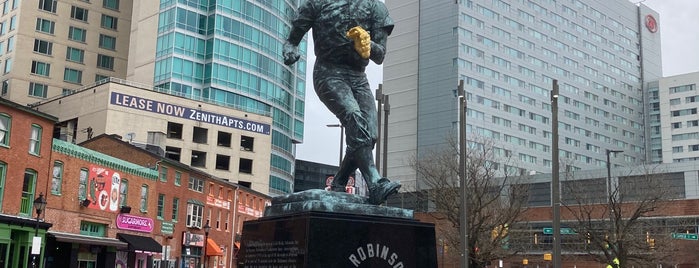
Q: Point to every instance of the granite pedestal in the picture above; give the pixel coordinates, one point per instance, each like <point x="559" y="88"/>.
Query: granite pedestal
<point x="321" y="229"/>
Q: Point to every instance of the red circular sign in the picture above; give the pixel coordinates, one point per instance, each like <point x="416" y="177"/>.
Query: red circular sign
<point x="651" y="24"/>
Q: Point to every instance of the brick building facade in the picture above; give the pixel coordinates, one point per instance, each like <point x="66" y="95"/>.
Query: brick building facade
<point x="25" y="157"/>
<point x="111" y="204"/>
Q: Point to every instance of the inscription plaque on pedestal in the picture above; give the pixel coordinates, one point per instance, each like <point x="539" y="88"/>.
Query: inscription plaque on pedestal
<point x="324" y="240"/>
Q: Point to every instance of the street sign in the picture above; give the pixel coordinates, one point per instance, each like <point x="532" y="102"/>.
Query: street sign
<point x="566" y="231"/>
<point x="685" y="236"/>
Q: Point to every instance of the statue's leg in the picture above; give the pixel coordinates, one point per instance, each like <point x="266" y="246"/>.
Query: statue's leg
<point x="364" y="138"/>
<point x="333" y="89"/>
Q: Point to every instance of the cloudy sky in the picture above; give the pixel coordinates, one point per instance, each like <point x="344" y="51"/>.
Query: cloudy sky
<point x="679" y="36"/>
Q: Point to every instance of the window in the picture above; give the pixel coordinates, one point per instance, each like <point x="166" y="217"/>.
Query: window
<point x="99" y="77"/>
<point x="107" y="42"/>
<point x="10" y="44"/>
<point x="111" y="4"/>
<point x="43" y="47"/>
<point x="174" y="130"/>
<point x="196" y="185"/>
<point x="144" y="198"/>
<point x="109" y="22"/>
<point x="161" y="205"/>
<point x="77" y="34"/>
<point x="683" y="88"/>
<point x="246" y="143"/>
<point x="73" y="76"/>
<point x="3" y="174"/>
<point x="226" y="221"/>
<point x="41" y="68"/>
<point x="75" y="55"/>
<point x="218" y="221"/>
<point x="13" y="23"/>
<point x="105" y="62"/>
<point x="200" y="135"/>
<point x="224" y="139"/>
<point x="245" y="166"/>
<point x="163" y="174"/>
<point x="57" y="180"/>
<point x="5" y="86"/>
<point x="28" y="192"/>
<point x="46" y="26"/>
<point x="195" y="215"/>
<point x="35" y="140"/>
<point x="123" y="192"/>
<point x="92" y="229"/>
<point x="175" y="208"/>
<point x="5" y="125"/>
<point x="223" y="162"/>
<point x="38" y="90"/>
<point x="82" y="184"/>
<point x="178" y="178"/>
<point x="198" y="159"/>
<point x="48" y="5"/>
<point x="78" y="13"/>
<point x="8" y="65"/>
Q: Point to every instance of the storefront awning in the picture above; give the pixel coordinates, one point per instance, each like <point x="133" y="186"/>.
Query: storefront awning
<point x="212" y="249"/>
<point x="87" y="240"/>
<point x="141" y="243"/>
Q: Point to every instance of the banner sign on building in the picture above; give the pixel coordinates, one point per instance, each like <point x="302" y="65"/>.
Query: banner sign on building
<point x="192" y="240"/>
<point x="134" y="223"/>
<point x="102" y="188"/>
<point x="210" y="200"/>
<point x="153" y="106"/>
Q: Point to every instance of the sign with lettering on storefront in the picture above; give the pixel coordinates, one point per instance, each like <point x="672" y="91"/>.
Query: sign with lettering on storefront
<point x="167" y="227"/>
<point x="134" y="223"/>
<point x="191" y="239"/>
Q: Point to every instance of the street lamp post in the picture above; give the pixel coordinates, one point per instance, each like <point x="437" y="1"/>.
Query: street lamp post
<point x="463" y="180"/>
<point x="40" y="205"/>
<point x="610" y="194"/>
<point x="207" y="228"/>
<point x="384" y="151"/>
<point x="342" y="137"/>
<point x="555" y="178"/>
<point x="379" y="102"/>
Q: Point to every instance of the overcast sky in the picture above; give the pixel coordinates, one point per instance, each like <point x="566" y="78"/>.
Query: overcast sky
<point x="679" y="36"/>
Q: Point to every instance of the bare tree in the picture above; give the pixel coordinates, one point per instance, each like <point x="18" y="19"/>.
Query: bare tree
<point x="614" y="219"/>
<point x="495" y="201"/>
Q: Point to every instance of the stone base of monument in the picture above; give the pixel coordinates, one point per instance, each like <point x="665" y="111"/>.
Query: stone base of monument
<point x="321" y="233"/>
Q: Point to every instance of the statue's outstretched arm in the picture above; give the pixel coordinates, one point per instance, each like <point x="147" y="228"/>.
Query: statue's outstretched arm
<point x="301" y="23"/>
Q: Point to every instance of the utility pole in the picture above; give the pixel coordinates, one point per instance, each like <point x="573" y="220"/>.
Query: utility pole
<point x="379" y="100"/>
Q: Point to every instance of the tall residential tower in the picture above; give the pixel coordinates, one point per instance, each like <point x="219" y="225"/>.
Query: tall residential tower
<point x="508" y="53"/>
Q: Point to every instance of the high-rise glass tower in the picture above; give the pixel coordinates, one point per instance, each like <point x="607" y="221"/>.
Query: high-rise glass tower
<point x="228" y="52"/>
<point x="508" y="53"/>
